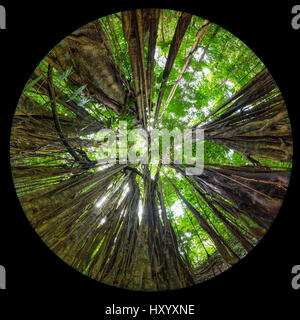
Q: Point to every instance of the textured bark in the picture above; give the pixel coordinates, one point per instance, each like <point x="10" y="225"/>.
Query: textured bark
<point x="93" y="62"/>
<point x="134" y="31"/>
<point x="154" y="21"/>
<point x="33" y="129"/>
<point x="257" y="193"/>
<point x="157" y="262"/>
<point x="262" y="131"/>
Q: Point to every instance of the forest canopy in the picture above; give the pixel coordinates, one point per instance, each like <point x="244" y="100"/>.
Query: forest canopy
<point x="151" y="226"/>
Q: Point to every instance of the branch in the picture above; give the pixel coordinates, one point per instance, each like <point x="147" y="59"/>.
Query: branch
<point x="57" y="124"/>
<point x="199" y="38"/>
<point x="134" y="170"/>
<point x="181" y="28"/>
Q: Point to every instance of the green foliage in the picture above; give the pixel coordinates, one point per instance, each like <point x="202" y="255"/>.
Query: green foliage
<point x="77" y="92"/>
<point x="227" y="65"/>
<point x="63" y="76"/>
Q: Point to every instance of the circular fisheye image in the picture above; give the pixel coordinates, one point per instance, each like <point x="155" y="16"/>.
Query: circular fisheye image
<point x="151" y="150"/>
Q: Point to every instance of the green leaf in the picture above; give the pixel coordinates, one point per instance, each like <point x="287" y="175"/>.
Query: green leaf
<point x="31" y="84"/>
<point x="63" y="76"/>
<point x="83" y="101"/>
<point x="77" y="92"/>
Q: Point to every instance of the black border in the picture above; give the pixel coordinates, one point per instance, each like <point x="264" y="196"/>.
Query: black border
<point x="258" y="285"/>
